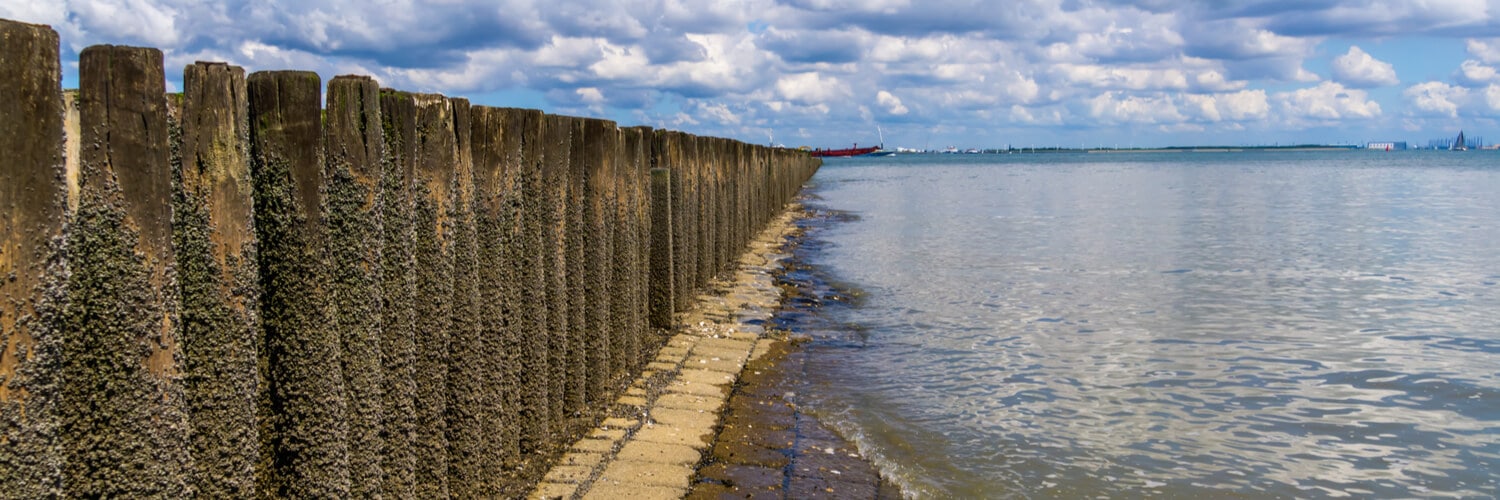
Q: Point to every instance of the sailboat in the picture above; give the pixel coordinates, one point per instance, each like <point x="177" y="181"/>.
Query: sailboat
<point x="881" y="151"/>
<point x="1459" y="144"/>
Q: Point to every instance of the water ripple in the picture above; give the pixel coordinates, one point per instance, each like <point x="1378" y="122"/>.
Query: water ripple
<point x="1275" y="325"/>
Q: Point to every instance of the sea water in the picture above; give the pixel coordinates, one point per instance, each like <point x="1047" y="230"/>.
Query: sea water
<point x="1261" y="324"/>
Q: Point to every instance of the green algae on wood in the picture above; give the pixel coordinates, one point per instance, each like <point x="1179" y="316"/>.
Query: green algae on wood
<point x="641" y="209"/>
<point x="574" y="237"/>
<point x="662" y="303"/>
<point x="482" y="426"/>
<point x="426" y="325"/>
<point x="626" y="338"/>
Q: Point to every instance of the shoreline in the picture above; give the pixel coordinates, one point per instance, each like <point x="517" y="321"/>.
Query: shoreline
<point x="683" y="427"/>
<point x="767" y="444"/>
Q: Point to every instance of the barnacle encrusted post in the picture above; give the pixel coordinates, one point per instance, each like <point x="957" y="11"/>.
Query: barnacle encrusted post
<point x="123" y="429"/>
<point x="354" y="247"/>
<point x="304" y="424"/>
<point x="213" y="233"/>
<point x="33" y="215"/>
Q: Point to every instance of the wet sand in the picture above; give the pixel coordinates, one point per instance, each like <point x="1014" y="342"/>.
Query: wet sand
<point x="768" y="448"/>
<point x="714" y="414"/>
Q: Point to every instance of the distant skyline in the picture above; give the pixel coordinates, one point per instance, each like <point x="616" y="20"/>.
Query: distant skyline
<point x="930" y="73"/>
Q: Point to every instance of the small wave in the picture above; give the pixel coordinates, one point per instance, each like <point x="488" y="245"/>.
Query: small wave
<point x="1306" y="363"/>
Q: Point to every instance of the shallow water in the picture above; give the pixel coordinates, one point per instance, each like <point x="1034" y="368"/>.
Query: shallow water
<point x="1255" y="324"/>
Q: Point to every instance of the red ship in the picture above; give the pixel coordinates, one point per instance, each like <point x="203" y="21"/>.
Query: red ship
<point x="854" y="151"/>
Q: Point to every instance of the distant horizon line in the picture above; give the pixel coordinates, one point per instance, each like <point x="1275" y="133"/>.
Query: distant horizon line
<point x="1176" y="149"/>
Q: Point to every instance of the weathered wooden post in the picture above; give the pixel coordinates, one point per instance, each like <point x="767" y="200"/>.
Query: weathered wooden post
<point x="123" y="427"/>
<point x="718" y="168"/>
<point x="556" y="139"/>
<point x="663" y="295"/>
<point x="398" y="115"/>
<point x="529" y="328"/>
<point x="214" y="237"/>
<point x="703" y="212"/>
<point x="627" y="304"/>
<point x="597" y="244"/>
<point x="33" y="211"/>
<point x="640" y="182"/>
<point x="433" y="207"/>
<point x="498" y="228"/>
<point x="305" y="424"/>
<point x="473" y="354"/>
<point x="676" y="156"/>
<point x="352" y="180"/>
<point x="574" y="237"/>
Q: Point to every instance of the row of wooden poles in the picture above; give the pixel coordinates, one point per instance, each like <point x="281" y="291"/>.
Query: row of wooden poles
<point x="232" y="292"/>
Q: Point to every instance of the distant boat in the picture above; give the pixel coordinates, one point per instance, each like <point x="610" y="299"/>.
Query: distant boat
<point x="843" y="153"/>
<point x="1459" y="144"/>
<point x="881" y="151"/>
<point x="856" y="150"/>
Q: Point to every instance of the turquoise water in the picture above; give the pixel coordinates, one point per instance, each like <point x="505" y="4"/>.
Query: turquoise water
<point x="1259" y="324"/>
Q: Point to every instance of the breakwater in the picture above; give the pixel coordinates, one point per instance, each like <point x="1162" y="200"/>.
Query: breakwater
<point x="236" y="291"/>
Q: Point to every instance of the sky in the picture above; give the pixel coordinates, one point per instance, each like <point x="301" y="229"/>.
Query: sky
<point x="827" y="73"/>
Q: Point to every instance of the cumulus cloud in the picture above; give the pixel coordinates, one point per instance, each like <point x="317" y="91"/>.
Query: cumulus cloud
<point x="1246" y="50"/>
<point x="1487" y="50"/>
<point x="1214" y="81"/>
<point x="1436" y="98"/>
<point x="1328" y="101"/>
<point x="1114" y="107"/>
<point x="590" y="95"/>
<point x="1126" y="78"/>
<point x="1020" y="19"/>
<point x="53" y="13"/>
<point x="891" y="103"/>
<point x="834" y="46"/>
<point x="1364" y="18"/>
<point x="136" y="20"/>
<point x="734" y="68"/>
<point x="718" y="112"/>
<point x="1234" y="106"/>
<point x="811" y="88"/>
<point x="1239" y="39"/>
<point x="1148" y="37"/>
<point x="1476" y="74"/>
<point x="1179" y="108"/>
<point x="1358" y="69"/>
